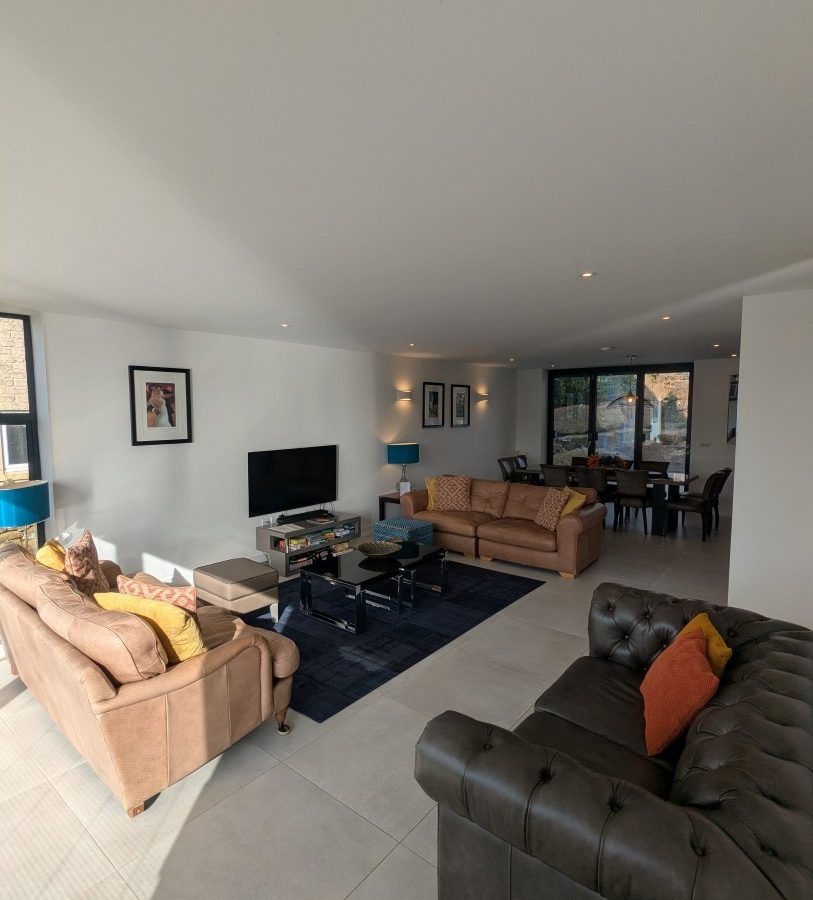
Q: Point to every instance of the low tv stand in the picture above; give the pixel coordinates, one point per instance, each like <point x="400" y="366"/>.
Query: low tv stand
<point x="283" y="519"/>
<point x="289" y="547"/>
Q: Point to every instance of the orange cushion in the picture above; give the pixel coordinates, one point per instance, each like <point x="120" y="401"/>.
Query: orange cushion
<point x="677" y="686"/>
<point x="718" y="653"/>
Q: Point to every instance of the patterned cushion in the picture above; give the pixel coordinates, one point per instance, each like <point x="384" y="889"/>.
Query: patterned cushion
<point x="676" y="687"/>
<point x="551" y="509"/>
<point x="185" y="597"/>
<point x="453" y="493"/>
<point x="82" y="564"/>
<point x="432" y="493"/>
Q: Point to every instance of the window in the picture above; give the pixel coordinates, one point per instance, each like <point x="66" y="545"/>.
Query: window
<point x="19" y="444"/>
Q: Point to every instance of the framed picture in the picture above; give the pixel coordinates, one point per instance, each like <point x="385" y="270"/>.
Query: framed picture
<point x="461" y="405"/>
<point x="160" y="406"/>
<point x="433" y="395"/>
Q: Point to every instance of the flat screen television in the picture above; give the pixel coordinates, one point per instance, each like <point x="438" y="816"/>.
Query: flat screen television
<point x="280" y="480"/>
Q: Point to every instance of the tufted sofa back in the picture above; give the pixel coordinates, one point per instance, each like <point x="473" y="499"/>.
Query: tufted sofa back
<point x="747" y="762"/>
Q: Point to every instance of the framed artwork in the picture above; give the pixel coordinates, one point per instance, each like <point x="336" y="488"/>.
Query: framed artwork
<point x="433" y="396"/>
<point x="160" y="405"/>
<point x="461" y="405"/>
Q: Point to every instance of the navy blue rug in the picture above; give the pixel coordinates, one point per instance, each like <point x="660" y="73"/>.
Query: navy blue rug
<point x="337" y="668"/>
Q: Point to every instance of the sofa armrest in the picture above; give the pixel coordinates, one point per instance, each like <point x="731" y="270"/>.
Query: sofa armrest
<point x="608" y="835"/>
<point x="414" y="501"/>
<point x="187" y="672"/>
<point x="573" y="524"/>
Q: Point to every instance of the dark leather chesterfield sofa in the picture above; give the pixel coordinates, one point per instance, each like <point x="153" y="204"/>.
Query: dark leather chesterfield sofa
<point x="568" y="805"/>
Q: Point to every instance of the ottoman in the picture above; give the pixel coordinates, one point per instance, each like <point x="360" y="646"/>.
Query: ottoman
<point x="239" y="585"/>
<point x="404" y="530"/>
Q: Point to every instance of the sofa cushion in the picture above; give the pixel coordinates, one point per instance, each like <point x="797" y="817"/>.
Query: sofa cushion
<point x="464" y="524"/>
<point x="52" y="555"/>
<point x="21" y="575"/>
<point x="718" y="652"/>
<point x="121" y="643"/>
<point x="184" y="597"/>
<point x="82" y="565"/>
<point x="604" y="698"/>
<point x="553" y="504"/>
<point x="489" y="496"/>
<point x="575" y="500"/>
<point x="677" y="686"/>
<point x="519" y="533"/>
<point x="597" y="753"/>
<point x="453" y="493"/>
<point x="523" y="501"/>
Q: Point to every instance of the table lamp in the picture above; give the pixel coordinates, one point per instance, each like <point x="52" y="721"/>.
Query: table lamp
<point x="23" y="503"/>
<point x="403" y="455"/>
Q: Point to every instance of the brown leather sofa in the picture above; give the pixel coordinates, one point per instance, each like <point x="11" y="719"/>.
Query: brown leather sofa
<point x="149" y="724"/>
<point x="568" y="805"/>
<point x="501" y="526"/>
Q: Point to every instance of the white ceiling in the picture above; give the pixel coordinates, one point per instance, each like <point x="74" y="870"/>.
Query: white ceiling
<point x="378" y="171"/>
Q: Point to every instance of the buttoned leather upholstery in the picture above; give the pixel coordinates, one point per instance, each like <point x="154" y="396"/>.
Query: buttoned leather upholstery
<point x="558" y="821"/>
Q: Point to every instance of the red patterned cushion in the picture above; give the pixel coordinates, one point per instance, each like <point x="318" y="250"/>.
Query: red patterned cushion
<point x="185" y="597"/>
<point x="677" y="686"/>
<point x="551" y="509"/>
<point x="82" y="564"/>
<point x="453" y="493"/>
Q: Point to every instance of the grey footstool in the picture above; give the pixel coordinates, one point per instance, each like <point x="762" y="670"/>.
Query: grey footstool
<point x="239" y="585"/>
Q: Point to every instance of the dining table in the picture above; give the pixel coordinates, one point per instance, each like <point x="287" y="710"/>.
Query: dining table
<point x="662" y="487"/>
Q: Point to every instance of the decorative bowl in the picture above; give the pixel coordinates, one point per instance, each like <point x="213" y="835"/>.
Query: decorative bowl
<point x="378" y="548"/>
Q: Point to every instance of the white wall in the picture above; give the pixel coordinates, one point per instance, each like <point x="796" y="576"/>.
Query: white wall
<point x="772" y="537"/>
<point x="532" y="414"/>
<point x="710" y="448"/>
<point x="168" y="508"/>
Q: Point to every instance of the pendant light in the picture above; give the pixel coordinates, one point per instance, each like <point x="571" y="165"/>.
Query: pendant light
<point x="630" y="398"/>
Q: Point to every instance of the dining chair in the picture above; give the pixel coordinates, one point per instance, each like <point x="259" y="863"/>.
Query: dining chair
<point x="554" y="476"/>
<point x="521" y="461"/>
<point x="715" y="500"/>
<point x="631" y="493"/>
<point x="578" y="460"/>
<point x="656" y="466"/>
<point x="508" y="467"/>
<point x="702" y="504"/>
<point x="596" y="479"/>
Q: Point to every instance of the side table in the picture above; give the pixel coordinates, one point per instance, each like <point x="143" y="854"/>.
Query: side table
<point x="384" y="499"/>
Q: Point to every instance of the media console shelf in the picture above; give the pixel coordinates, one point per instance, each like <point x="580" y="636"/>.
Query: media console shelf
<point x="290" y="547"/>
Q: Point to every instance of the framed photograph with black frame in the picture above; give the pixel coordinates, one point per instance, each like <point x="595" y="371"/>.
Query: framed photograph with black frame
<point x="461" y="406"/>
<point x="160" y="405"/>
<point x="433" y="399"/>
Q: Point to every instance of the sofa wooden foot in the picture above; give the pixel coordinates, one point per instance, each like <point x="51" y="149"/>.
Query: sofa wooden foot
<point x="13" y="669"/>
<point x="133" y="811"/>
<point x="469" y="556"/>
<point x="487" y="558"/>
<point x="567" y="574"/>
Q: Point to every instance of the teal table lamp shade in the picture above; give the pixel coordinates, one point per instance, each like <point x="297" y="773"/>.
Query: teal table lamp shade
<point x="402" y="454"/>
<point x="23" y="503"/>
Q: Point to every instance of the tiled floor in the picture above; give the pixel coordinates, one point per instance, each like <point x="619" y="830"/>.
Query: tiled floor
<point x="332" y="810"/>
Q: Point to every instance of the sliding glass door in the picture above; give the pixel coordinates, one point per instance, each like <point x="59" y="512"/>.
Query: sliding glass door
<point x="637" y="413"/>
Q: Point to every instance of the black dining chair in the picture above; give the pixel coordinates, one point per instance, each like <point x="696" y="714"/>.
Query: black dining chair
<point x="508" y="468"/>
<point x="715" y="500"/>
<point x="702" y="504"/>
<point x="655" y="466"/>
<point x="596" y="479"/>
<point x="631" y="493"/>
<point x="521" y="461"/>
<point x="554" y="476"/>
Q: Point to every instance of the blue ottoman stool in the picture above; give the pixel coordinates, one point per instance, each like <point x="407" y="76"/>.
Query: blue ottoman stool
<point x="404" y="530"/>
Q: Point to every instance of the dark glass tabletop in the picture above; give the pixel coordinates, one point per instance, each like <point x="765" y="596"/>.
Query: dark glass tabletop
<point x="354" y="568"/>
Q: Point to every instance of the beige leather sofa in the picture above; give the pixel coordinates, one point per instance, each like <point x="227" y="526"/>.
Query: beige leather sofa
<point x="104" y="679"/>
<point x="501" y="526"/>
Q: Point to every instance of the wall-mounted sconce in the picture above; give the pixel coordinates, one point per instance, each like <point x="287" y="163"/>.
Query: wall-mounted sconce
<point x="403" y="395"/>
<point x="480" y="397"/>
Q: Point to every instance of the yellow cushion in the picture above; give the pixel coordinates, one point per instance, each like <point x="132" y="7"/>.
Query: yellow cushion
<point x="176" y="629"/>
<point x="432" y="490"/>
<point x="575" y="501"/>
<point x="52" y="554"/>
<point x="718" y="653"/>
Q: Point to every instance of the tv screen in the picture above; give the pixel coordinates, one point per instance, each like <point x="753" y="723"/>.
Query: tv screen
<point x="281" y="480"/>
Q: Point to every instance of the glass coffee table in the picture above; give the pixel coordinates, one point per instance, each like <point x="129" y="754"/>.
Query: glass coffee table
<point x="357" y="574"/>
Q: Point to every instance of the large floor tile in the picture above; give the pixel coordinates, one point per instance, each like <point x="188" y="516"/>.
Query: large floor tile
<point x="367" y="762"/>
<point x="122" y="838"/>
<point x="423" y="839"/>
<point x="47" y="746"/>
<point x="553" y="610"/>
<point x="536" y="650"/>
<point x="114" y="887"/>
<point x="403" y="875"/>
<point x="278" y="838"/>
<point x="464" y="682"/>
<point x="44" y="851"/>
<point x="303" y="731"/>
<point x="18" y="771"/>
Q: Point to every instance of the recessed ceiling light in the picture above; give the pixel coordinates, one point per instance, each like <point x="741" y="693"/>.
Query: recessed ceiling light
<point x="552" y="366"/>
<point x="666" y="318"/>
<point x="412" y="345"/>
<point x="716" y="346"/>
<point x="733" y="355"/>
<point x="511" y="359"/>
<point x="607" y="348"/>
<point x="284" y="324"/>
<point x="588" y="274"/>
